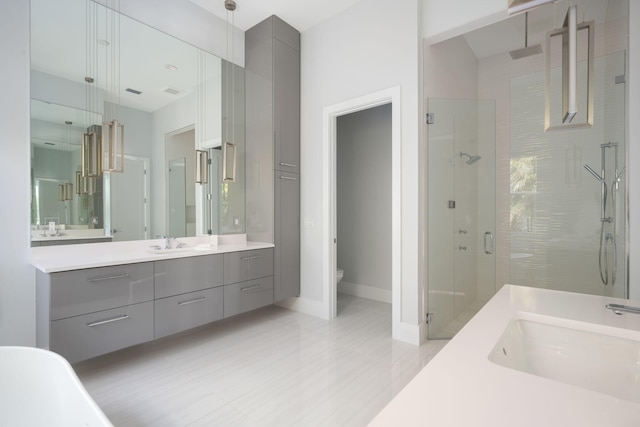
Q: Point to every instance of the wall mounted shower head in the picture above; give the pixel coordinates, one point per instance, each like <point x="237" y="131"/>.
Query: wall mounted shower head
<point x="472" y="159"/>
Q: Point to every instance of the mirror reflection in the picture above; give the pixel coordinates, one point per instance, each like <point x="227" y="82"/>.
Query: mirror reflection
<point x="169" y="97"/>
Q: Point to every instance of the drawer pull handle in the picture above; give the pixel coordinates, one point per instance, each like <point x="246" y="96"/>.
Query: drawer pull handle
<point x="248" y="258"/>
<point x="250" y="288"/>
<point x="100" y="279"/>
<point x="288" y="178"/>
<point x="191" y="301"/>
<point x="288" y="165"/>
<point x="104" y="322"/>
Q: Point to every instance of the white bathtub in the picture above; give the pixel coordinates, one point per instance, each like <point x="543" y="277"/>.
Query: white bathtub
<point x="39" y="388"/>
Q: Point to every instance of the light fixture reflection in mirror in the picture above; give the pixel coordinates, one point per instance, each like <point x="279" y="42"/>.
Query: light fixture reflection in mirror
<point x="228" y="162"/>
<point x="113" y="135"/>
<point x="202" y="167"/>
<point x="91" y="154"/>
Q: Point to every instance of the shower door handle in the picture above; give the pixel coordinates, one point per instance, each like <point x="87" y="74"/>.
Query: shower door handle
<point x="488" y="242"/>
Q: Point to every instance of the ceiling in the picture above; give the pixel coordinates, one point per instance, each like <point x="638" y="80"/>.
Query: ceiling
<point x="301" y="14"/>
<point x="508" y="34"/>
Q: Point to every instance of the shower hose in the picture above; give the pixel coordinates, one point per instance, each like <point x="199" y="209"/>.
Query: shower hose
<point x="608" y="240"/>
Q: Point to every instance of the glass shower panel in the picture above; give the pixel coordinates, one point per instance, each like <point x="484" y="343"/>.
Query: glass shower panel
<point x="461" y="212"/>
<point x="568" y="223"/>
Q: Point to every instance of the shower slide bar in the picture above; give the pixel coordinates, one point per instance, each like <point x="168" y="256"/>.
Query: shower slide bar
<point x="608" y="246"/>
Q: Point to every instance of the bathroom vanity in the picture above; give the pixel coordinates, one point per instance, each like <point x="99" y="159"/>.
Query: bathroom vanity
<point x="531" y="357"/>
<point x="96" y="298"/>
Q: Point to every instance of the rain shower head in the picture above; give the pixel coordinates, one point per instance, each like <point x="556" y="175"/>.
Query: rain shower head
<point x="472" y="159"/>
<point x="527" y="50"/>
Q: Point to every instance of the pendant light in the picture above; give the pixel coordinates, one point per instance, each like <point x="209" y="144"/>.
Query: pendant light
<point x="65" y="190"/>
<point x="202" y="155"/>
<point x="228" y="146"/>
<point x="112" y="128"/>
<point x="91" y="153"/>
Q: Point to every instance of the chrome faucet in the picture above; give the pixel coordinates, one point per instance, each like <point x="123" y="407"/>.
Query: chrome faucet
<point x="167" y="241"/>
<point x="619" y="308"/>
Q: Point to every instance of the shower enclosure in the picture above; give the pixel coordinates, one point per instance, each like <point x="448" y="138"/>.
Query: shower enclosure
<point x="510" y="198"/>
<point x="461" y="205"/>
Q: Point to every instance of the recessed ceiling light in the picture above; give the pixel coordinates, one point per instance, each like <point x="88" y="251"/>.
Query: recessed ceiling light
<point x="171" y="90"/>
<point x="171" y="67"/>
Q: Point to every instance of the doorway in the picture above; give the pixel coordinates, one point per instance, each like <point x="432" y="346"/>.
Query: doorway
<point x="363" y="209"/>
<point x="181" y="189"/>
<point x="329" y="202"/>
<point x="128" y="197"/>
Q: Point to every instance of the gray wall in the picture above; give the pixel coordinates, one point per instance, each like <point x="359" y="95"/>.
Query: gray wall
<point x="364" y="196"/>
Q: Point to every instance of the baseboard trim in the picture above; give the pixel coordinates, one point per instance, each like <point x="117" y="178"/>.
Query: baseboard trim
<point x="368" y="292"/>
<point x="305" y="305"/>
<point x="408" y="333"/>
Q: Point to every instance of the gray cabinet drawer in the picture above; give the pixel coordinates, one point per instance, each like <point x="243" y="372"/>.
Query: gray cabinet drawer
<point x="82" y="337"/>
<point x="247" y="265"/>
<point x="84" y="291"/>
<point x="247" y="296"/>
<point x="182" y="275"/>
<point x="181" y="312"/>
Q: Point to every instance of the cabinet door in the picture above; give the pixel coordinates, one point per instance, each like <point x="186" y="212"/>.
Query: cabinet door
<point x="247" y="296"/>
<point x="182" y="275"/>
<point x="286" y="100"/>
<point x="247" y="265"/>
<point x="186" y="311"/>
<point x="82" y="337"/>
<point x="287" y="236"/>
<point x="84" y="291"/>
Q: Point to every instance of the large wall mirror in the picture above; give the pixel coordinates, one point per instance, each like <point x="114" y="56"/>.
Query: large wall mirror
<point x="173" y="100"/>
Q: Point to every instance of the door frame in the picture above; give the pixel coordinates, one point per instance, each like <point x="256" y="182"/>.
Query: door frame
<point x="329" y="230"/>
<point x="107" y="191"/>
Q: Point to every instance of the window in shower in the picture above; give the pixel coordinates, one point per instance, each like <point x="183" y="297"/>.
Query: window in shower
<point x="523" y="186"/>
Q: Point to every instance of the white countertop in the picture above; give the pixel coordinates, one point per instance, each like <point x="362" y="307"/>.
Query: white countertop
<point x="462" y="387"/>
<point x="52" y="259"/>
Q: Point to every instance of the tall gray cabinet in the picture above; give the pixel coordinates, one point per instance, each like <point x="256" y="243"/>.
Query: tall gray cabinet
<point x="272" y="76"/>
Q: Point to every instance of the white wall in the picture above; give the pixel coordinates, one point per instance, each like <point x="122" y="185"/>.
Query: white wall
<point x="369" y="47"/>
<point x="17" y="294"/>
<point x="364" y="200"/>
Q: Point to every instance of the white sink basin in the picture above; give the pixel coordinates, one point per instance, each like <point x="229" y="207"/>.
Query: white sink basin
<point x="201" y="247"/>
<point x="170" y="250"/>
<point x="595" y="361"/>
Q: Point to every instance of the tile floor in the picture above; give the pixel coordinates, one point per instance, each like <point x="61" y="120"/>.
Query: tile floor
<point x="271" y="367"/>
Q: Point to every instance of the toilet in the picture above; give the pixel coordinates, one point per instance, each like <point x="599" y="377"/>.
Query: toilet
<point x="339" y="275"/>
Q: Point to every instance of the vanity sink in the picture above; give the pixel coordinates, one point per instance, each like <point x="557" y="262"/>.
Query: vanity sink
<point x="592" y="360"/>
<point x="154" y="250"/>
